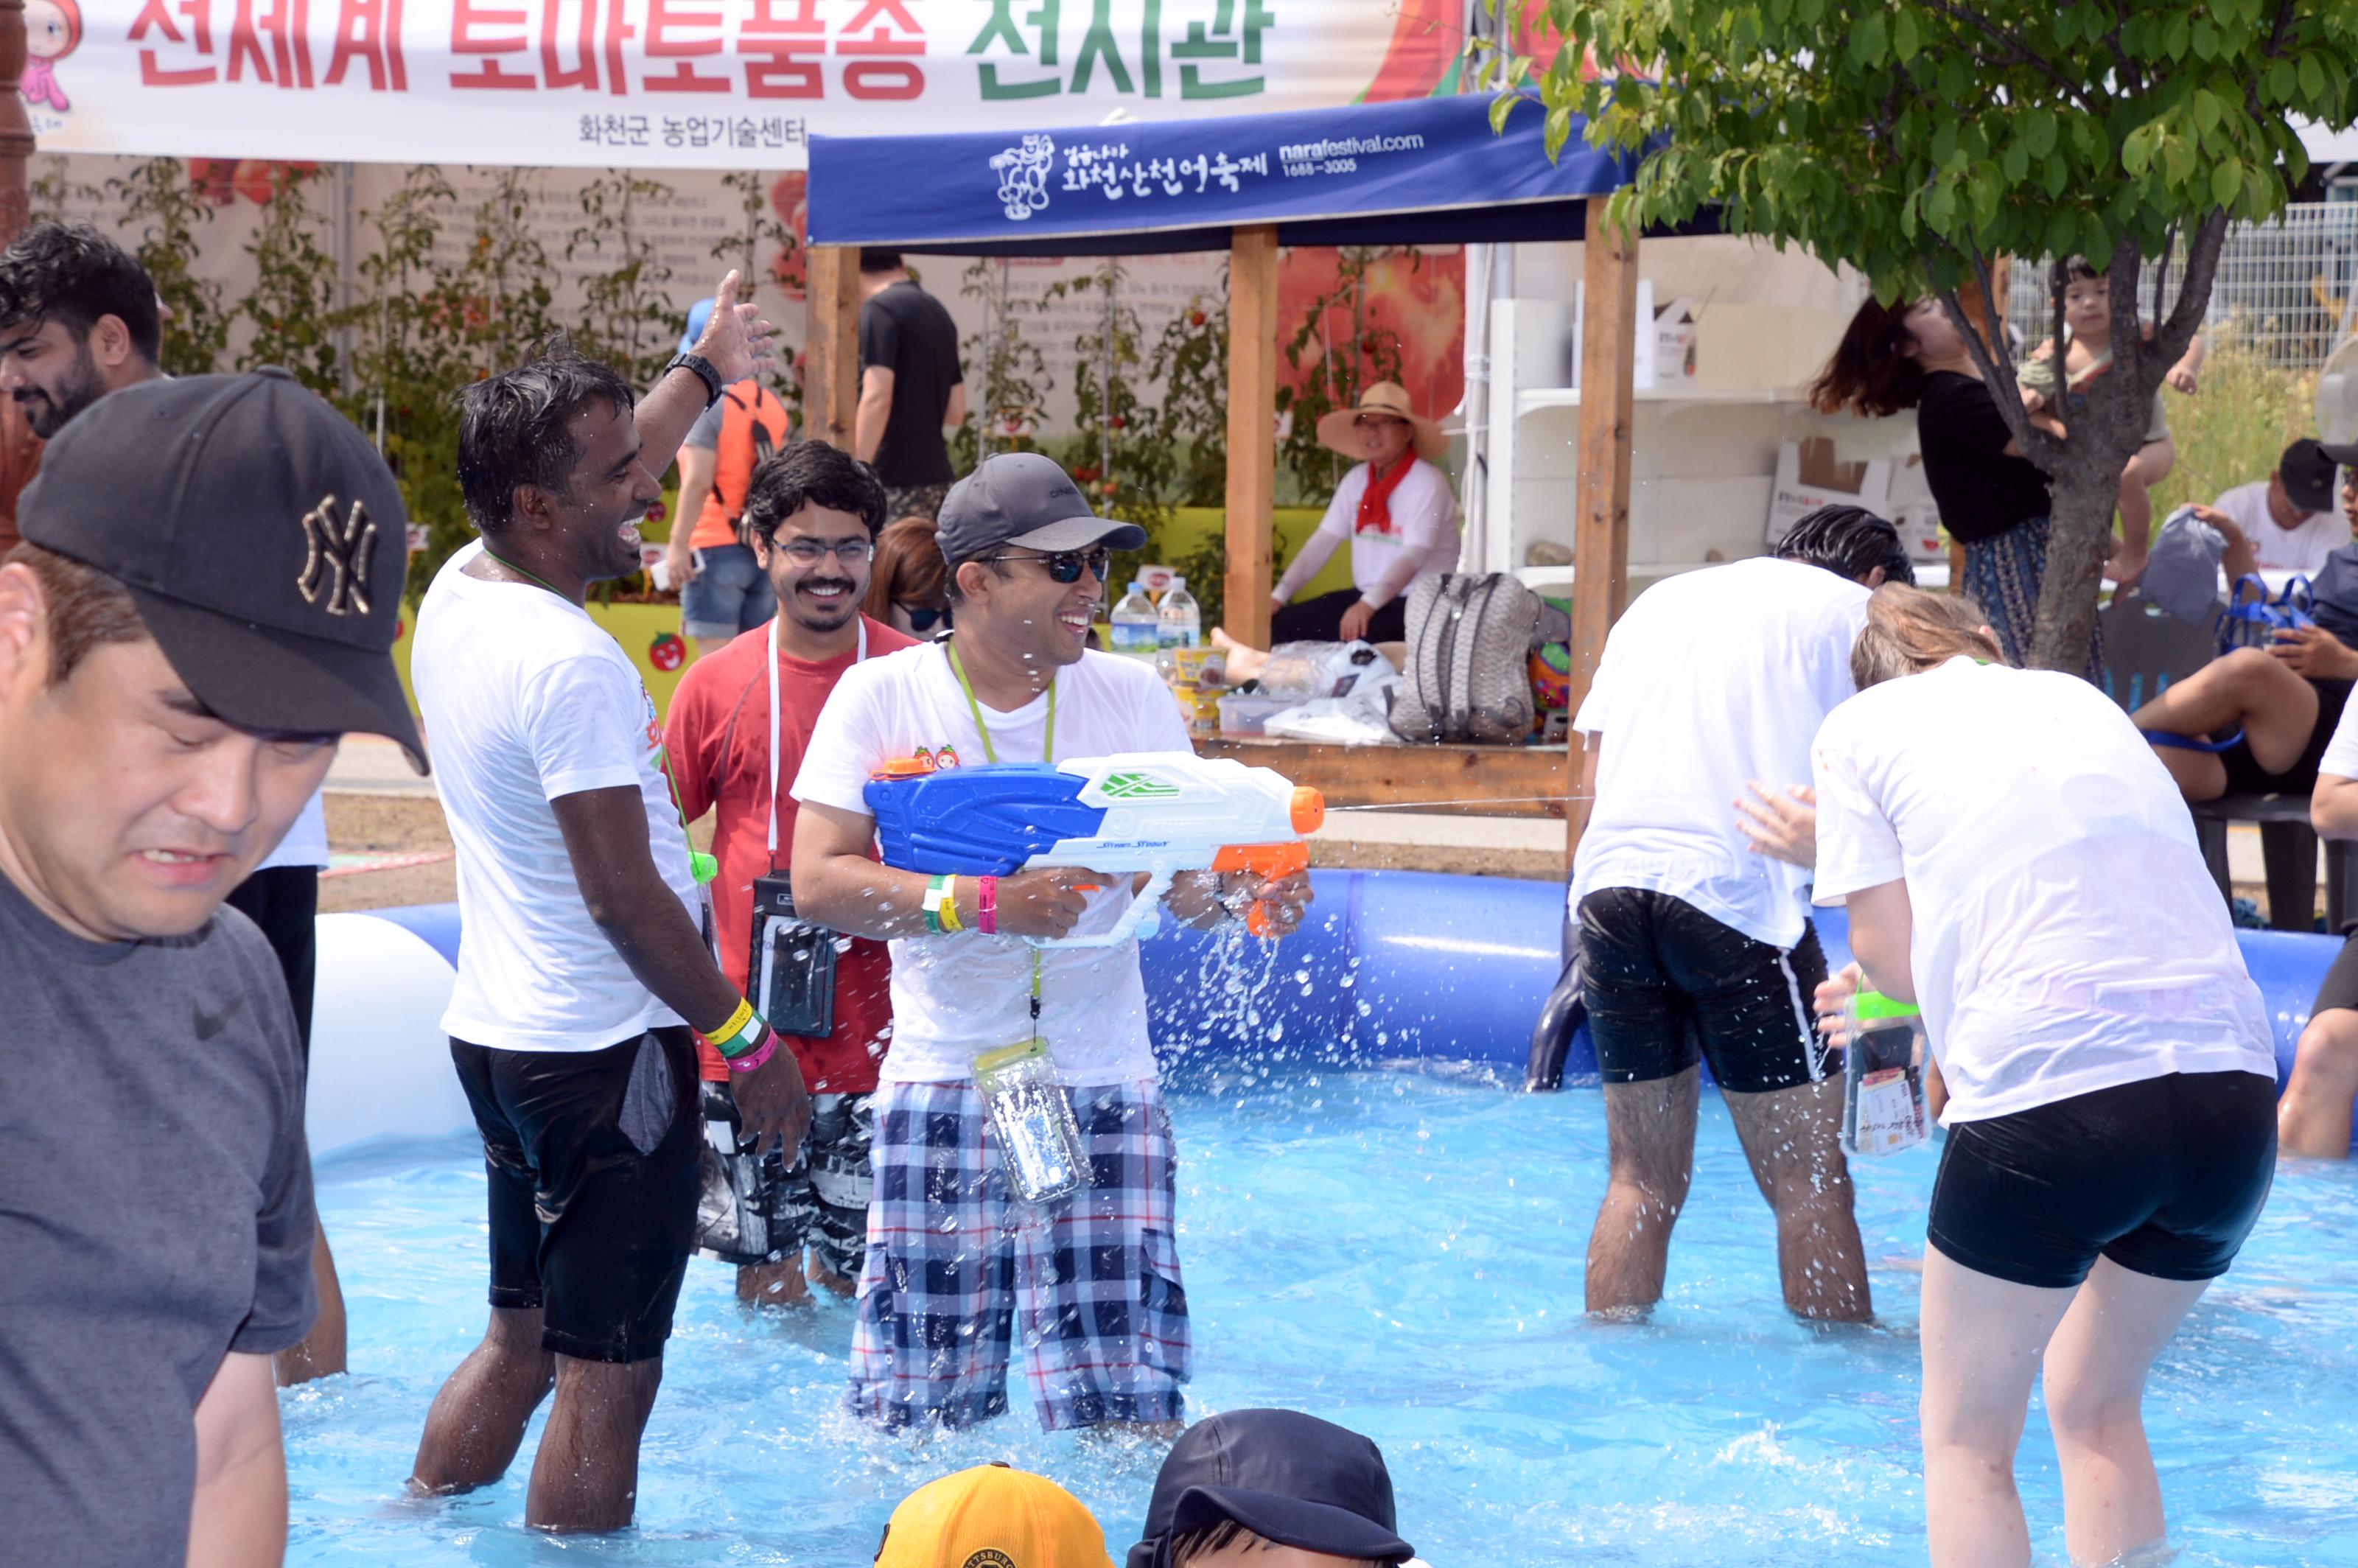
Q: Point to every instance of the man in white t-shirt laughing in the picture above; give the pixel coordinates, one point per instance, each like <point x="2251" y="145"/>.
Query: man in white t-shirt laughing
<point x="1694" y="941"/>
<point x="959" y="1270"/>
<point x="582" y="962"/>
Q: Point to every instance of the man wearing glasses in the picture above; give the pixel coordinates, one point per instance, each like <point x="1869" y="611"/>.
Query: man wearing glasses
<point x="739" y="723"/>
<point x="959" y="1271"/>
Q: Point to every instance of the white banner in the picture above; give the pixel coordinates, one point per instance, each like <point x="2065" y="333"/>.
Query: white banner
<point x="686" y="84"/>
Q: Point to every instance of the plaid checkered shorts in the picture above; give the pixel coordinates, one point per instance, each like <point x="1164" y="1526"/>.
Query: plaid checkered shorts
<point x="957" y="1267"/>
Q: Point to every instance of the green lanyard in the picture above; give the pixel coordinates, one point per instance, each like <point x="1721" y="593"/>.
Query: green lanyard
<point x="700" y="866"/>
<point x="1048" y="741"/>
<point x="990" y="754"/>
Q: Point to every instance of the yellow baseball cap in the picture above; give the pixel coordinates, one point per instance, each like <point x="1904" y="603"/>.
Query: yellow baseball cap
<point x="993" y="1516"/>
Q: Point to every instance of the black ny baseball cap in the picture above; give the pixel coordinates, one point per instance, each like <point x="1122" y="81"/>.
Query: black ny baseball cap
<point x="1026" y="499"/>
<point x="1286" y="1476"/>
<point x="261" y="536"/>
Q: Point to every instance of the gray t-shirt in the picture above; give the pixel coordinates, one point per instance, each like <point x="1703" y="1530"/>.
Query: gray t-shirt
<point x="154" y="1214"/>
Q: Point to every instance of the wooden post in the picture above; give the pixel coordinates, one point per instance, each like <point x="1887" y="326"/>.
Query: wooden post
<point x="1600" y="550"/>
<point x="831" y="339"/>
<point x="16" y="126"/>
<point x="1253" y="430"/>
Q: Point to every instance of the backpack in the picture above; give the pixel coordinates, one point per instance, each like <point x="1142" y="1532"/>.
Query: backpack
<point x="763" y="450"/>
<point x="1468" y="675"/>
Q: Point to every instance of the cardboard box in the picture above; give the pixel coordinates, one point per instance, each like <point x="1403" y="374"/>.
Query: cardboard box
<point x="1741" y="347"/>
<point x="1809" y="477"/>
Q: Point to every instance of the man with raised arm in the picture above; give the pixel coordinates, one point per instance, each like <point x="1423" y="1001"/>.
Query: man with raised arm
<point x="583" y="967"/>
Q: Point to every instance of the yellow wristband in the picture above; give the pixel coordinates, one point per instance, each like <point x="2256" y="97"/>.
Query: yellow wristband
<point x="948" y="915"/>
<point x="736" y="1021"/>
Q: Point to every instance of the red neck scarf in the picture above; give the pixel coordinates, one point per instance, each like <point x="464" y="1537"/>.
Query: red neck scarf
<point x="1376" y="502"/>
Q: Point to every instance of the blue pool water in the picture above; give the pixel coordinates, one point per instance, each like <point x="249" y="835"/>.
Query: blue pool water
<point x="1400" y="1252"/>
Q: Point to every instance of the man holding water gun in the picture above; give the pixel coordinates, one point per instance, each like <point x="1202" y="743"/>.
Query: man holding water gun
<point x="959" y="1263"/>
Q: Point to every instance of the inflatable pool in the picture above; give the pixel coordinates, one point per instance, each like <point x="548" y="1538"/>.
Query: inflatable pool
<point x="1392" y="966"/>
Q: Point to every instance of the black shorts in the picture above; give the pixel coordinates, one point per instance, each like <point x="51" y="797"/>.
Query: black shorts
<point x="592" y="1161"/>
<point x="2164" y="1176"/>
<point x="2340" y="987"/>
<point x="285" y="902"/>
<point x="1320" y="619"/>
<point x="2245" y="776"/>
<point x="1664" y="982"/>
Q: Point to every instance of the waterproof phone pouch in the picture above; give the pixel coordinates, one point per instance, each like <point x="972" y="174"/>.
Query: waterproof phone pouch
<point x="793" y="963"/>
<point x="1032" y="1113"/>
<point x="1883" y="1076"/>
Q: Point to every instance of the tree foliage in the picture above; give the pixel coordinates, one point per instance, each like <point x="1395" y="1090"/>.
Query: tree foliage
<point x="1917" y="140"/>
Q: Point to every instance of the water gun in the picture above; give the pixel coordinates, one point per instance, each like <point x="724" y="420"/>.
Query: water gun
<point x="1158" y="812"/>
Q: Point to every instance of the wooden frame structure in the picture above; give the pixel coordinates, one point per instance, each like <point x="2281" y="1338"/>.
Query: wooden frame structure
<point x="1607" y="414"/>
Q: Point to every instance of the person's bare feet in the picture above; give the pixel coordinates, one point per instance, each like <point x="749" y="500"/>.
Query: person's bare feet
<point x="1244" y="662"/>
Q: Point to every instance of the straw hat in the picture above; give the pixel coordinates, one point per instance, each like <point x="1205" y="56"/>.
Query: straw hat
<point x="1383" y="397"/>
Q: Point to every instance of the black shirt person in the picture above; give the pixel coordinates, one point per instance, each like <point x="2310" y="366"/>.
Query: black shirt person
<point x="910" y="386"/>
<point x="205" y="598"/>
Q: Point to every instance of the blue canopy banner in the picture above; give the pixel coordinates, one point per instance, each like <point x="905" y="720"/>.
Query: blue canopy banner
<point x="1429" y="171"/>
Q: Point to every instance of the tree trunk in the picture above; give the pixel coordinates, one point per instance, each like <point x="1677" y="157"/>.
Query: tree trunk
<point x="2079" y="533"/>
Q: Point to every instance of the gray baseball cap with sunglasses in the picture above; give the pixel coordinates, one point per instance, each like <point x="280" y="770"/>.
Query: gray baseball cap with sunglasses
<point x="1026" y="499"/>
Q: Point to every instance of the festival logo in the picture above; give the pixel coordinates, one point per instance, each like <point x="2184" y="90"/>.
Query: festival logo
<point x="1023" y="176"/>
<point x="52" y="29"/>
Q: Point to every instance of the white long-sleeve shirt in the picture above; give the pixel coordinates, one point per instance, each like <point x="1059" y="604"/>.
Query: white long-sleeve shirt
<point x="1424" y="536"/>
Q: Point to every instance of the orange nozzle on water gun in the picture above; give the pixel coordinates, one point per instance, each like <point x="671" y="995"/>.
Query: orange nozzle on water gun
<point x="1268" y="862"/>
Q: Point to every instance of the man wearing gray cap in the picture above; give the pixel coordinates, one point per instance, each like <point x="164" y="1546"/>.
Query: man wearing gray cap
<point x="959" y="1267"/>
<point x="205" y="598"/>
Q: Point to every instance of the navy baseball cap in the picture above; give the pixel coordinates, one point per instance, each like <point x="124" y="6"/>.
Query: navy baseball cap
<point x="2306" y="469"/>
<point x="1026" y="500"/>
<point x="1286" y="1476"/>
<point x="260" y="534"/>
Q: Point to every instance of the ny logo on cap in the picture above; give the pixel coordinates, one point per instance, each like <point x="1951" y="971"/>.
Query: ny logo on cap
<point x="336" y="557"/>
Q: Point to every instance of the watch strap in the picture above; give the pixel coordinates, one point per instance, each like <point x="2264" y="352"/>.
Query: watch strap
<point x="713" y="386"/>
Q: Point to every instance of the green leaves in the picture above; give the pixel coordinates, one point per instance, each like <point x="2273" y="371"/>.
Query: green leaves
<point x="1869" y="41"/>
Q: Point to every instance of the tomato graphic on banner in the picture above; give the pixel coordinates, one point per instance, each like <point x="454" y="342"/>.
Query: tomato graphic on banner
<point x="666" y="653"/>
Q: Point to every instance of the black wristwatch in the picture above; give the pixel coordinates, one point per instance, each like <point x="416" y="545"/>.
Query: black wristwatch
<point x="704" y="372"/>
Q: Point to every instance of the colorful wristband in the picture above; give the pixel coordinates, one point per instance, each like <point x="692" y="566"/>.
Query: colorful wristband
<point x="727" y="1034"/>
<point x="758" y="1054"/>
<point x="950" y="921"/>
<point x="933" y="904"/>
<point x="986" y="905"/>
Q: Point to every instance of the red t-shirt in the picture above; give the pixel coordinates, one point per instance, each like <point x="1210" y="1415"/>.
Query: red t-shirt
<point x="719" y="744"/>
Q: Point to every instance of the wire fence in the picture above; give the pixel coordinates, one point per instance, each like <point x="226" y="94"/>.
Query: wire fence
<point x="2283" y="293"/>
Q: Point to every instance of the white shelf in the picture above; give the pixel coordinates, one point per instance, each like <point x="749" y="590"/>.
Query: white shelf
<point x="1531" y="398"/>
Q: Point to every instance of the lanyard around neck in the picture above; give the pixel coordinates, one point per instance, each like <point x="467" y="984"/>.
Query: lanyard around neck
<point x="855" y="658"/>
<point x="1047" y="741"/>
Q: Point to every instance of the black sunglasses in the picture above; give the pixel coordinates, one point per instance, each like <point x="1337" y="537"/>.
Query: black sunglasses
<point x="922" y="617"/>
<point x="1064" y="566"/>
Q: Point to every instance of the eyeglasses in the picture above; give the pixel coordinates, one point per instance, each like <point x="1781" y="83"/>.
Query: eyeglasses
<point x="1375" y="421"/>
<point x="922" y="617"/>
<point x="810" y="552"/>
<point x="1064" y="566"/>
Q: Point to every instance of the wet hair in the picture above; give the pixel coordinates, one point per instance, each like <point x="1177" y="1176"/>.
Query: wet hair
<point x="72" y="275"/>
<point x="909" y="568"/>
<point x="1871" y="374"/>
<point x="1850" y="542"/>
<point x="1189" y="1544"/>
<point x="812" y="473"/>
<point x="874" y="258"/>
<point x="512" y="429"/>
<point x="83" y="608"/>
<point x="1908" y="632"/>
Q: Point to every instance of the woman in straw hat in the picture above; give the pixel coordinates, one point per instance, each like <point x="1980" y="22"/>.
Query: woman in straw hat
<point x="1397" y="510"/>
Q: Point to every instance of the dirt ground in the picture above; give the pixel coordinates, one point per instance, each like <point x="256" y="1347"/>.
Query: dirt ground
<point x="383" y="824"/>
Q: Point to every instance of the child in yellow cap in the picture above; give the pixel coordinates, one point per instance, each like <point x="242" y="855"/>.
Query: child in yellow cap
<point x="993" y="1516"/>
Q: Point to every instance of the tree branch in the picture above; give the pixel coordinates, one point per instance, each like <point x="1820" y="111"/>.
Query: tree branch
<point x="2202" y="254"/>
<point x="2021" y="52"/>
<point x="2132" y="80"/>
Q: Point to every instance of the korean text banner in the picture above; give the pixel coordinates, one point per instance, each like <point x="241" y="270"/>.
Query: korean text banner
<point x="686" y="84"/>
<point x="1180" y="178"/>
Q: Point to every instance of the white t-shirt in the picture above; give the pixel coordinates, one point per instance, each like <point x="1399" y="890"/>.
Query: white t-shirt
<point x="305" y="843"/>
<point x="2067" y="935"/>
<point x="1423" y="512"/>
<point x="1711" y="679"/>
<point x="2301" y="549"/>
<point x="527" y="700"/>
<point x="954" y="997"/>
<point x="2341" y="756"/>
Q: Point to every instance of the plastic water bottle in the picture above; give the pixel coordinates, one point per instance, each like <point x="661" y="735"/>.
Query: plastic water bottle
<point x="1136" y="629"/>
<point x="1181" y="620"/>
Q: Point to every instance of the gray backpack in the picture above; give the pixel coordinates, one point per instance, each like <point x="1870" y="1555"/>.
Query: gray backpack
<point x="1467" y="673"/>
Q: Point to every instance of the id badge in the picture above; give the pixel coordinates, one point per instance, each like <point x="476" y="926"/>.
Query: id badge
<point x="791" y="963"/>
<point x="1884" y="1093"/>
<point x="1032" y="1114"/>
